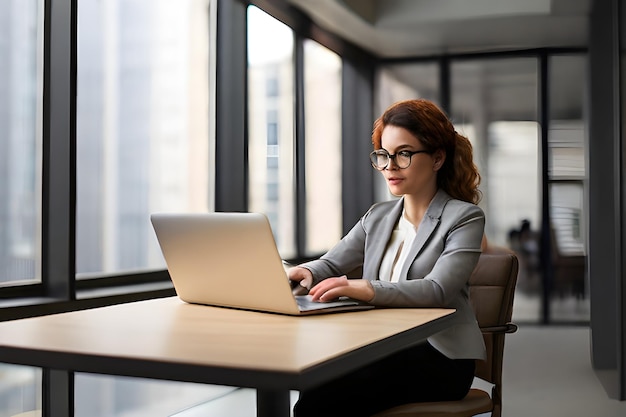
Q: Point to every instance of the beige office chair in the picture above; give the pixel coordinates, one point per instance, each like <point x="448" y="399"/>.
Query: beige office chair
<point x="492" y="286"/>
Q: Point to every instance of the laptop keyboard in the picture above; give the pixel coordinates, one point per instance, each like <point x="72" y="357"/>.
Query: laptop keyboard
<point x="306" y="303"/>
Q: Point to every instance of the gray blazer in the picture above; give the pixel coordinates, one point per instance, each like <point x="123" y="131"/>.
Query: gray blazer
<point x="437" y="270"/>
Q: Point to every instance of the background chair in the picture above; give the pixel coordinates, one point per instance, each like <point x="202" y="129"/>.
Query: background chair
<point x="492" y="287"/>
<point x="569" y="263"/>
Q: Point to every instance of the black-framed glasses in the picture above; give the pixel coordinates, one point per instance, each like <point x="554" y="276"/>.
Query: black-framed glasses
<point x="380" y="158"/>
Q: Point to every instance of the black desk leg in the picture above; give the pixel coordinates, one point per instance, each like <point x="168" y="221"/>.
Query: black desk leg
<point x="272" y="403"/>
<point x="58" y="393"/>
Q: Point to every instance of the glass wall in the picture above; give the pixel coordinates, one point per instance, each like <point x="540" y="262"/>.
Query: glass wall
<point x="21" y="88"/>
<point x="567" y="173"/>
<point x="495" y="103"/>
<point x="494" y="100"/>
<point x="141" y="126"/>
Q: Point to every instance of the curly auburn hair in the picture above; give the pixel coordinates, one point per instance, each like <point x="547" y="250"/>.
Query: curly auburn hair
<point x="458" y="176"/>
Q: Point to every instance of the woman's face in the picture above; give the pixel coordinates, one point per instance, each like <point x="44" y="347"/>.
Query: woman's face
<point x="420" y="177"/>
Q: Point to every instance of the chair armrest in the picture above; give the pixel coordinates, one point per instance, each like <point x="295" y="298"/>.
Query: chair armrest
<point x="507" y="328"/>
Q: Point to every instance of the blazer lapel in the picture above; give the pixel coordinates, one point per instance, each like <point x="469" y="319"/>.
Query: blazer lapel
<point x="383" y="233"/>
<point x="429" y="223"/>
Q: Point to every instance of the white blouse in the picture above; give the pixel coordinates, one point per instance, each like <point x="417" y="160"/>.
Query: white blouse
<point x="397" y="249"/>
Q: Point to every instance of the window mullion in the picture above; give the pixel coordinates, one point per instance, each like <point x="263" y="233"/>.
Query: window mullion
<point x="59" y="159"/>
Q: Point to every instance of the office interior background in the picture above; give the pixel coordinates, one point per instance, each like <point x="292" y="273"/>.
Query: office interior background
<point x="112" y="110"/>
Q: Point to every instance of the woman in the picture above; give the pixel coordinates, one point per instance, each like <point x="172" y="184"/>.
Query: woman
<point x="416" y="251"/>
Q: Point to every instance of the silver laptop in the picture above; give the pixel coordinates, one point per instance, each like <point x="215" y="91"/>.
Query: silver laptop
<point x="231" y="260"/>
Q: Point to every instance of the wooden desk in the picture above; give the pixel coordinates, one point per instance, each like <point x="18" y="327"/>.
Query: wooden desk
<point x="168" y="339"/>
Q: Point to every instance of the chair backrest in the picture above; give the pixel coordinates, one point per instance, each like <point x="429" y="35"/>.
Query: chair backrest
<point x="492" y="287"/>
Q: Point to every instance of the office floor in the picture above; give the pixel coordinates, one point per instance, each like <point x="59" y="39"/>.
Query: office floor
<point x="527" y="308"/>
<point x="547" y="371"/>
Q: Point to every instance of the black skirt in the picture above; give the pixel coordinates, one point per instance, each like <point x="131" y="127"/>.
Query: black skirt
<point x="417" y="374"/>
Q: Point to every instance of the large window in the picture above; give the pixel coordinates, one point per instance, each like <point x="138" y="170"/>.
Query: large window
<point x="21" y="87"/>
<point x="20" y="389"/>
<point x="271" y="138"/>
<point x="274" y="155"/>
<point x="142" y="146"/>
<point x="141" y="126"/>
<point x="322" y="106"/>
<point x="109" y="396"/>
<point x="21" y="58"/>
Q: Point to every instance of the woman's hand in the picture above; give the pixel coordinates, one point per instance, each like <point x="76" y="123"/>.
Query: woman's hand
<point x="301" y="280"/>
<point x="333" y="288"/>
